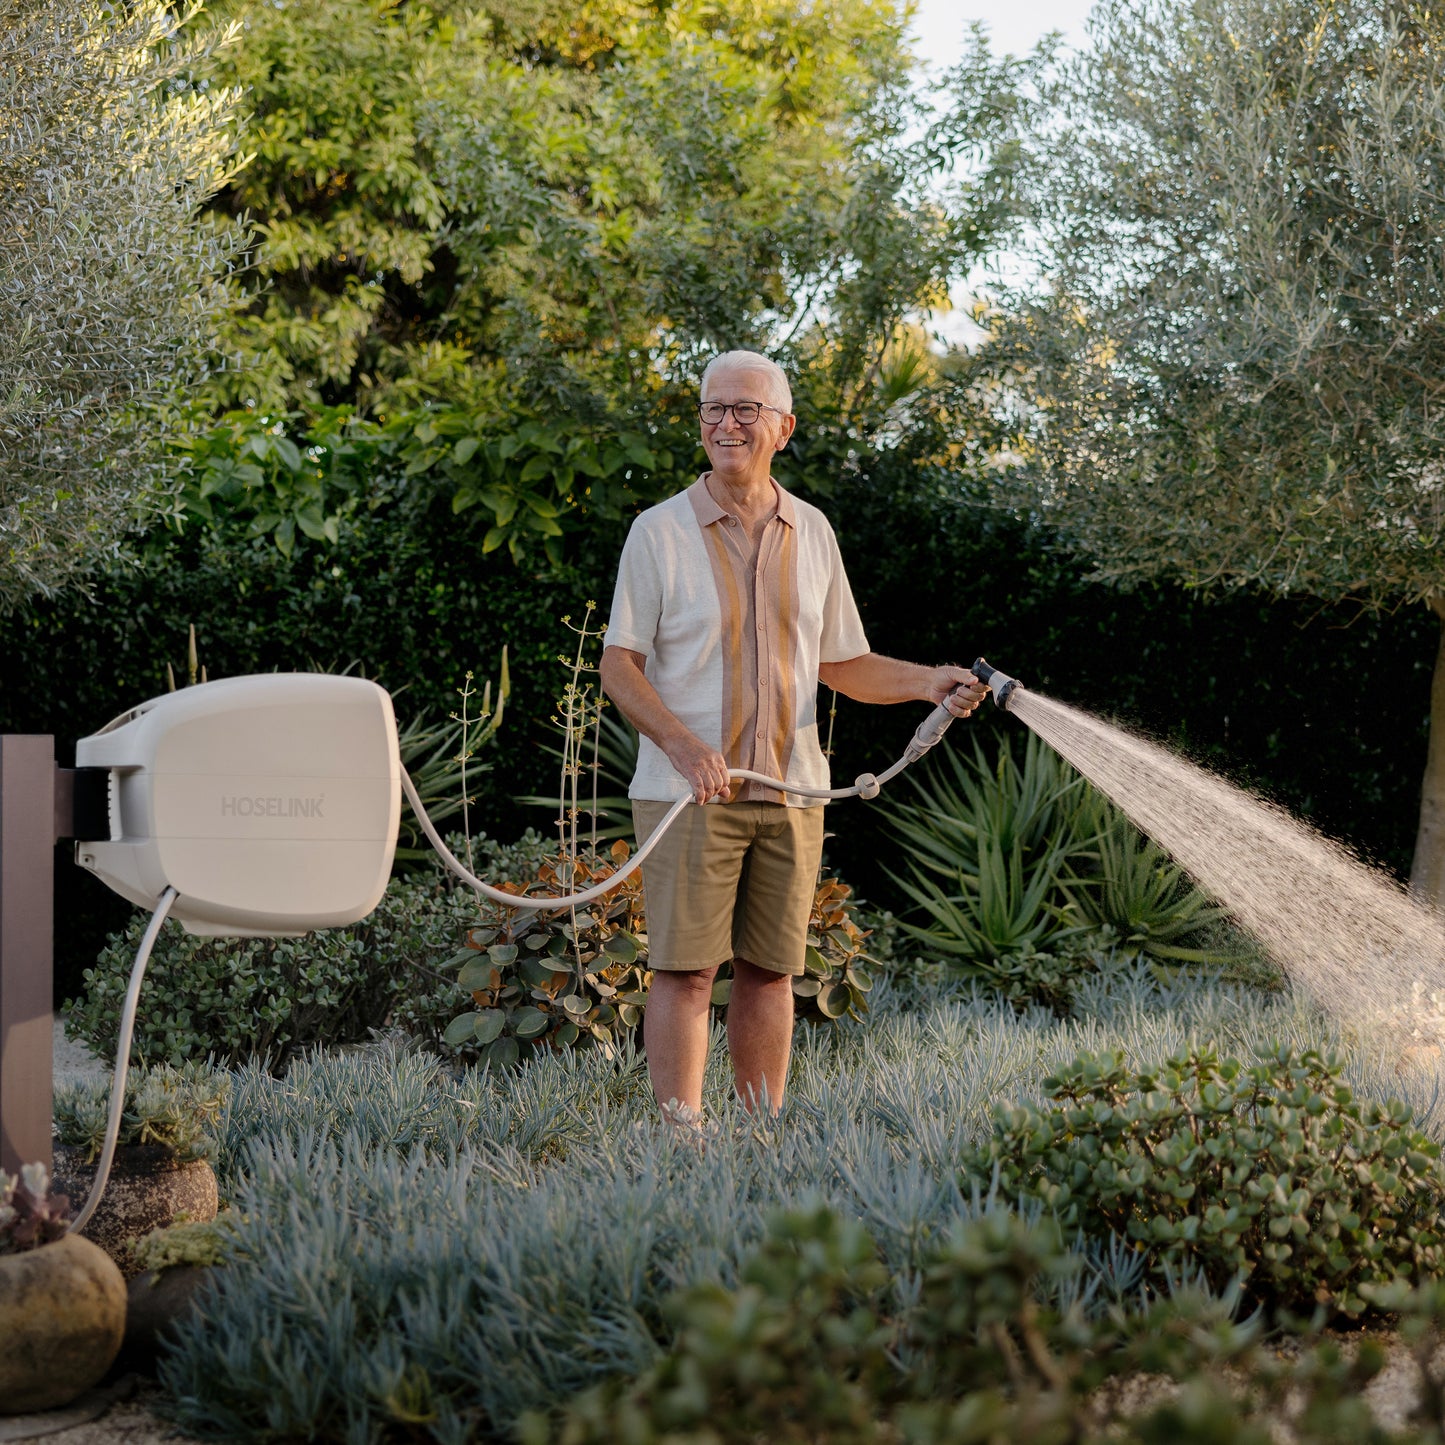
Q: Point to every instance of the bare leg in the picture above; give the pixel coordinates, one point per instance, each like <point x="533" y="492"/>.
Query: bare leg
<point x="760" y="1033"/>
<point x="674" y="1028"/>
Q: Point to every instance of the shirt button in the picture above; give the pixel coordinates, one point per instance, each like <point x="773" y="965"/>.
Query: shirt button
<point x="762" y="682"/>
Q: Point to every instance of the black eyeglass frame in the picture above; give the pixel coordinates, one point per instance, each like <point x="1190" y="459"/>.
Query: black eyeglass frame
<point x="732" y="406"/>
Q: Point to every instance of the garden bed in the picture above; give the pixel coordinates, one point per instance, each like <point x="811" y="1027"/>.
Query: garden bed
<point x="433" y="1247"/>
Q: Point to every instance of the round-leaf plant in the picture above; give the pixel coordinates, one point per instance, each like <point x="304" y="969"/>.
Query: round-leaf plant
<point x="1272" y="1175"/>
<point x="576" y="976"/>
<point x="555" y="978"/>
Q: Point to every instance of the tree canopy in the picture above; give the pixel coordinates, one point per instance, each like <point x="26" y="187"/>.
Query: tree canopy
<point x="111" y="286"/>
<point x="1233" y="375"/>
<point x="1236" y="373"/>
<point x="494" y="245"/>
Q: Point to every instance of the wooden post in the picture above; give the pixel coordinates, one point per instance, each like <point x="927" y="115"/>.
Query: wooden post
<point x="28" y="833"/>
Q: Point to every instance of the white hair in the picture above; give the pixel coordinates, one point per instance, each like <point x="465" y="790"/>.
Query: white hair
<point x="780" y="394"/>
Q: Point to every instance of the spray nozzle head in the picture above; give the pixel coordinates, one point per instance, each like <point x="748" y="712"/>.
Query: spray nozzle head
<point x="1000" y="683"/>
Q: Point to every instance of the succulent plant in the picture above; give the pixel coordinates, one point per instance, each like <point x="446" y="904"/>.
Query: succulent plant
<point x="1270" y="1176"/>
<point x="581" y="976"/>
<point x="30" y="1215"/>
<point x="175" y="1108"/>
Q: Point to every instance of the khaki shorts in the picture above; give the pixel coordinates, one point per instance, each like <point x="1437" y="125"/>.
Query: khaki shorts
<point x="730" y="880"/>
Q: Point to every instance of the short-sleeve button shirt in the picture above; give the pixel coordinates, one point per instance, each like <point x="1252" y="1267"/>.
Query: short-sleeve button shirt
<point x="733" y="644"/>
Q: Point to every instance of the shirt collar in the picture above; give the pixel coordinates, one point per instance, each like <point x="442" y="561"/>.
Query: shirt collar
<point x="707" y="510"/>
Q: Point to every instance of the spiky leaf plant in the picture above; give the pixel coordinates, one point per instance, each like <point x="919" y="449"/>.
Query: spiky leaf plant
<point x="1026" y="858"/>
<point x="1146" y="899"/>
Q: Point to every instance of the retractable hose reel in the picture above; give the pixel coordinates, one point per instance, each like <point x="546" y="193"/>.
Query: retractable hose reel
<point x="270" y="804"/>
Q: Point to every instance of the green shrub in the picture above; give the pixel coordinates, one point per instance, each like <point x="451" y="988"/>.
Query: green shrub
<point x="402" y="1228"/>
<point x="1273" y="1176"/>
<point x="232" y="999"/>
<point x="801" y="1350"/>
<point x="797" y="1352"/>
<point x="553" y="979"/>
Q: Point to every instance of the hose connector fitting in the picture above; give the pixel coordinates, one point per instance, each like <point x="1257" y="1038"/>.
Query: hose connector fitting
<point x="999" y="683"/>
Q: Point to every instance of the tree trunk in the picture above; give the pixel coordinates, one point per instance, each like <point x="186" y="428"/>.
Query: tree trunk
<point x="1427" y="874"/>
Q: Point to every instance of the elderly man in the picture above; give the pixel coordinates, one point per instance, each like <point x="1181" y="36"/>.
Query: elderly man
<point x="731" y="606"/>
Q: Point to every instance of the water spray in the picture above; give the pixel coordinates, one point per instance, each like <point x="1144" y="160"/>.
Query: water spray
<point x="1347" y="935"/>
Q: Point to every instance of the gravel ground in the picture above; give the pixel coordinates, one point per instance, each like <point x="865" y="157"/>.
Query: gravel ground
<point x="71" y="1058"/>
<point x="116" y="1413"/>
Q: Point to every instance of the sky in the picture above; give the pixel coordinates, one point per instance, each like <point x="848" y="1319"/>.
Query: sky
<point x="1013" y="25"/>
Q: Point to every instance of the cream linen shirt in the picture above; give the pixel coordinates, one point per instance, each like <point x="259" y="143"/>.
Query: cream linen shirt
<point x="734" y="650"/>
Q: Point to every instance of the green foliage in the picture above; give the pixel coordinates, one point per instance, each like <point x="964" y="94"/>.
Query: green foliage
<point x="1272" y="1176"/>
<point x="1022" y="870"/>
<point x="437" y="1222"/>
<point x="1144" y="898"/>
<point x="492" y="248"/>
<point x="1232" y="377"/>
<point x="111" y="286"/>
<point x="988" y="845"/>
<point x="835" y="976"/>
<point x="438" y="758"/>
<point x="175" y="1108"/>
<point x="558" y="979"/>
<point x="202" y="1242"/>
<point x="529" y="479"/>
<point x="235" y="999"/>
<point x="30" y="1215"/>
<point x="559" y="203"/>
<point x="797" y="1352"/>
<point x="554" y="979"/>
<point x="281" y="475"/>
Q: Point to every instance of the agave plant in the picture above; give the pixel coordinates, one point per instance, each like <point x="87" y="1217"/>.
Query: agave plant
<point x="998" y="910"/>
<point x="1015" y="856"/>
<point x="989" y="847"/>
<point x="1144" y="897"/>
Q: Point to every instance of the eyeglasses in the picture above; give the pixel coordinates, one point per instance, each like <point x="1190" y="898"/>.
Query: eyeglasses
<point x="745" y="413"/>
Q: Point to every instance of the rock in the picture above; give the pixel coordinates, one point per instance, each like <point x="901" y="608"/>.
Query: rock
<point x="156" y="1299"/>
<point x="147" y="1189"/>
<point x="64" y="1311"/>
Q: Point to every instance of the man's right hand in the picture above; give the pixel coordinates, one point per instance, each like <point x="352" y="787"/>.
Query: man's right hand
<point x="624" y="679"/>
<point x="705" y="769"/>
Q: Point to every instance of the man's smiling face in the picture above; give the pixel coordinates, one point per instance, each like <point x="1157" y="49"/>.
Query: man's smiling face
<point x="739" y="452"/>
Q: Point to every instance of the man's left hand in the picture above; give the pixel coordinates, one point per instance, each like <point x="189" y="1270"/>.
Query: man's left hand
<point x="958" y="688"/>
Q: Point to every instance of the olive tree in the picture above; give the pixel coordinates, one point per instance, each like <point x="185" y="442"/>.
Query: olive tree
<point x="1236" y="375"/>
<point x="111" y="283"/>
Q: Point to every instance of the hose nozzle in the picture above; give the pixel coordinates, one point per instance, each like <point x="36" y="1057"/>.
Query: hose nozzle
<point x="1000" y="683"/>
